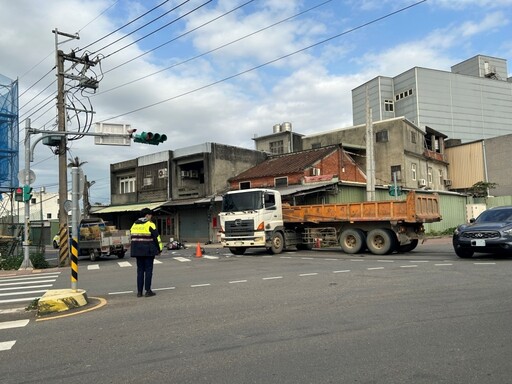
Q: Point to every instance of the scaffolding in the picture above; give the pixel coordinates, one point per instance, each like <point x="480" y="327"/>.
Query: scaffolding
<point x="9" y="134"/>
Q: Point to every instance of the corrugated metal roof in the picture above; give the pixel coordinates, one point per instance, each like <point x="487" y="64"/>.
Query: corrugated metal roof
<point x="286" y="164"/>
<point x="130" y="207"/>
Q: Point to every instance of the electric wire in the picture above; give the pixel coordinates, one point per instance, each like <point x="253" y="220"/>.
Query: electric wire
<point x="373" y="21"/>
<point x="101" y="14"/>
<point x="141" y="27"/>
<point x="212" y="50"/>
<point x="159" y="29"/>
<point x="123" y="26"/>
<point x="29" y="88"/>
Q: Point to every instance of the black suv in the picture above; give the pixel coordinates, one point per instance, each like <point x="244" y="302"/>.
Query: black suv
<point x="491" y="232"/>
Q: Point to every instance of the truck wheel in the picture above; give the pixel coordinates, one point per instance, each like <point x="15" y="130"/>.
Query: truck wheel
<point x="352" y="240"/>
<point x="408" y="247"/>
<point x="277" y="244"/>
<point x="238" y="250"/>
<point x="93" y="256"/>
<point x="381" y="241"/>
<point x="120" y="255"/>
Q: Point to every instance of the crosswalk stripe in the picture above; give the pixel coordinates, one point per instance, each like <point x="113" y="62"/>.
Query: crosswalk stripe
<point x="211" y="257"/>
<point x="27" y="287"/>
<point x="25" y="282"/>
<point x="22" y="293"/>
<point x="20" y="300"/>
<point x="157" y="261"/>
<point x="182" y="259"/>
<point x="14" y="324"/>
<point x="20" y="278"/>
<point x="93" y="266"/>
<point x="6" y="345"/>
<point x="123" y="264"/>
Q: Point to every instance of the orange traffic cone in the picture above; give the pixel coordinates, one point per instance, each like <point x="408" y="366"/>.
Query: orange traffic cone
<point x="199" y="251"/>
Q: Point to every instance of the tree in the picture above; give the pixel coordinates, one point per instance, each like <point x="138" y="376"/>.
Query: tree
<point x="481" y="188"/>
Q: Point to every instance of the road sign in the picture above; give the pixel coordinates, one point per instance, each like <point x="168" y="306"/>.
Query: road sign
<point x="118" y="129"/>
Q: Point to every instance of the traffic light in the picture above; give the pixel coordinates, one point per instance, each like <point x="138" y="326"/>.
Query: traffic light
<point x="18" y="194"/>
<point x="27" y="193"/>
<point x="150" y="138"/>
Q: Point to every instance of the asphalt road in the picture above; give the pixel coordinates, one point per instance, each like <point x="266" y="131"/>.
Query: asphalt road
<point x="299" y="317"/>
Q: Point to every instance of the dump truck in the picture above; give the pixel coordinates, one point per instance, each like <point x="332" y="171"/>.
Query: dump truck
<point x="253" y="218"/>
<point x="98" y="239"/>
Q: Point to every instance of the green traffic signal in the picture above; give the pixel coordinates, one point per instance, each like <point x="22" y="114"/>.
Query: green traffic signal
<point x="27" y="193"/>
<point x="150" y="138"/>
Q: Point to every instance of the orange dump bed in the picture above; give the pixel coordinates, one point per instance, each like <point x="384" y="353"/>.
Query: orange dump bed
<point x="417" y="208"/>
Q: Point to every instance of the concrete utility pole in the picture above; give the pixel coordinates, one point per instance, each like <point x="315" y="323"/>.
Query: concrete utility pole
<point x="63" y="176"/>
<point x="370" y="155"/>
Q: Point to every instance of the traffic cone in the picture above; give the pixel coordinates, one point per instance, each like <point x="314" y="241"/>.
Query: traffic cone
<point x="199" y="251"/>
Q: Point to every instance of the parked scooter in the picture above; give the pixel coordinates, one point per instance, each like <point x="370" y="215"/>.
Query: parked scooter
<point x="175" y="244"/>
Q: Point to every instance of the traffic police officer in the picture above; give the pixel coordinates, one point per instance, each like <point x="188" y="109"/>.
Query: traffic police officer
<point x="145" y="245"/>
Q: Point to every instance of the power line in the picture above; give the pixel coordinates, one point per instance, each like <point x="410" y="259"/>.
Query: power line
<point x="214" y="49"/>
<point x="162" y="27"/>
<point x="268" y="62"/>
<point x="125" y="25"/>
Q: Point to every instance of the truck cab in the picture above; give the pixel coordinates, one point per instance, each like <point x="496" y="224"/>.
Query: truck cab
<point x="252" y="218"/>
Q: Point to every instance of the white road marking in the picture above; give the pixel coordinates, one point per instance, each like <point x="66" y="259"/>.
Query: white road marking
<point x="440" y="265"/>
<point x="22" y="293"/>
<point x="408" y="266"/>
<point x="13" y="324"/>
<point x="484" y="263"/>
<point x="28" y="287"/>
<point x="163" y="289"/>
<point x="342" y="271"/>
<point x="307" y="258"/>
<point x="25" y="282"/>
<point x="93" y="266"/>
<point x="6" y="345"/>
<point x="268" y="256"/>
<point x="386" y="261"/>
<point x="308" y="274"/>
<point x="124" y="264"/>
<point x="331" y="259"/>
<point x="23" y="278"/>
<point x="182" y="259"/>
<point x="356" y="260"/>
<point x="20" y="300"/>
<point x="273" y="278"/>
<point x="285" y="257"/>
<point x="155" y="261"/>
<point x="199" y="285"/>
<point x="419" y="261"/>
<point x="211" y="257"/>
<point x="237" y="281"/>
<point x="374" y="268"/>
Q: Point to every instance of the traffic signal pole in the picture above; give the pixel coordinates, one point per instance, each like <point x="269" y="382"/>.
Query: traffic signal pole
<point x="27" y="264"/>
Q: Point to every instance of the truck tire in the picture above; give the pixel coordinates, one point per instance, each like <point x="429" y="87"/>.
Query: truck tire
<point x="93" y="255"/>
<point x="408" y="247"/>
<point x="237" y="250"/>
<point x="277" y="244"/>
<point x="120" y="255"/>
<point x="352" y="240"/>
<point x="381" y="241"/>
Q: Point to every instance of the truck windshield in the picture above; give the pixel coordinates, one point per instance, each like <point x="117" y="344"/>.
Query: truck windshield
<point x="242" y="201"/>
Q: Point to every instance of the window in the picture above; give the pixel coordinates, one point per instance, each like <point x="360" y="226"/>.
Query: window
<point x="413" y="171"/>
<point x="126" y="184"/>
<point x="401" y="95"/>
<point x="244" y="185"/>
<point x="381" y="136"/>
<point x="441" y="178"/>
<point x="276" y="147"/>
<point x="396" y="172"/>
<point x="281" y="182"/>
<point x="413" y="137"/>
<point x="388" y="105"/>
<point x="48" y="215"/>
<point x="429" y="175"/>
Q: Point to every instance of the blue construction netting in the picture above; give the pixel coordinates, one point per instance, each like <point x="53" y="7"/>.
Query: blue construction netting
<point x="9" y="134"/>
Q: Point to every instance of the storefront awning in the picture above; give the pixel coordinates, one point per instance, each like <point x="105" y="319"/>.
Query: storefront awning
<point x="129" y="207"/>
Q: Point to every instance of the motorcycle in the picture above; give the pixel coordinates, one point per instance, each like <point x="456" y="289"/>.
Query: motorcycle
<point x="175" y="244"/>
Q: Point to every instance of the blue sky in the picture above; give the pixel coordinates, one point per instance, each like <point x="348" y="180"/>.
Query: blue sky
<point x="310" y="88"/>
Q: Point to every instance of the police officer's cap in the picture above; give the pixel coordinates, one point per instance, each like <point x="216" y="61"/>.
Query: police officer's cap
<point x="146" y="211"/>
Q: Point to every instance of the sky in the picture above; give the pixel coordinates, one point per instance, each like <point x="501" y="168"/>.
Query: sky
<point x="224" y="71"/>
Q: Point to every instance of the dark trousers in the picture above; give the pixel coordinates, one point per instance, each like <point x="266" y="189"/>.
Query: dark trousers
<point x="144" y="272"/>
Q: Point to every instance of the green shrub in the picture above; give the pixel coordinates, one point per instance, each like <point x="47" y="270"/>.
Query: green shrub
<point x="446" y="232"/>
<point x="14" y="262"/>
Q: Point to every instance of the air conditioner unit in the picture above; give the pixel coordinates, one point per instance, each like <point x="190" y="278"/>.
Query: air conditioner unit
<point x="422" y="183"/>
<point x="185" y="174"/>
<point x="447" y="183"/>
<point x="162" y="173"/>
<point x="147" y="181"/>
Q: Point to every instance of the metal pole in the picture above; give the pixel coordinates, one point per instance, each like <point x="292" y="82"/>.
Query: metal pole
<point x="27" y="264"/>
<point x="75" y="212"/>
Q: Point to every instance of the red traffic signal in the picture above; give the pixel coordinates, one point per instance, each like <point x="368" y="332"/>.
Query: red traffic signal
<point x="18" y="194"/>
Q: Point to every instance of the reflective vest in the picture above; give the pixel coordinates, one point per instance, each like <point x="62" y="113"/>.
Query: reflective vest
<point x="145" y="240"/>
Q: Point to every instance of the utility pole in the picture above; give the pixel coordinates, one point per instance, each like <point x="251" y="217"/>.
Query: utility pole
<point x="370" y="154"/>
<point x="61" y="124"/>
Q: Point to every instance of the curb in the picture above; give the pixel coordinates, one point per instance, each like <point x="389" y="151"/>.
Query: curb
<point x="59" y="300"/>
